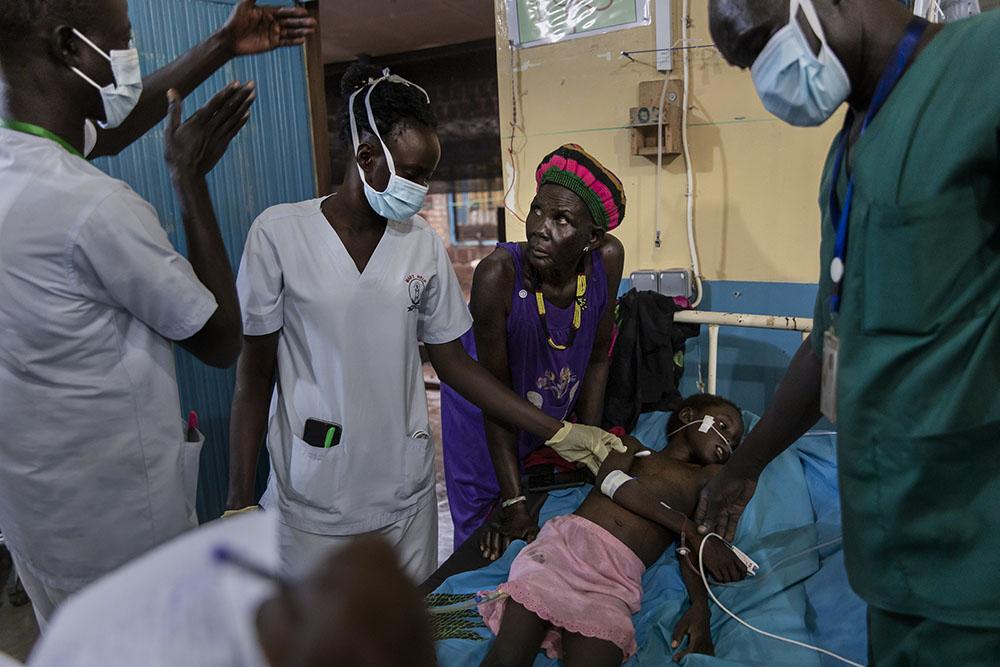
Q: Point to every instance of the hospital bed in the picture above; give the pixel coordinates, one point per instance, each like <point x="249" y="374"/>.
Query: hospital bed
<point x="791" y="529"/>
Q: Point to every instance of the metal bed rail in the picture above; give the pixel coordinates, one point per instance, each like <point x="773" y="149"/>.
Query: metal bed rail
<point x="714" y="321"/>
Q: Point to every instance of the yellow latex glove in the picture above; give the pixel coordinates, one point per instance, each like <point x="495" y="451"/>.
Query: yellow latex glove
<point x="248" y="508"/>
<point x="589" y="445"/>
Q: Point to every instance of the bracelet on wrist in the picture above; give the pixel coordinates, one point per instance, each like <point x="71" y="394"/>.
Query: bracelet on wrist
<point x="513" y="501"/>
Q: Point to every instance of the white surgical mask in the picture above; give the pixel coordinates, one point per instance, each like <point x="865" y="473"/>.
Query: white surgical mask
<point x="120" y="97"/>
<point x="794" y="84"/>
<point x="401" y="199"/>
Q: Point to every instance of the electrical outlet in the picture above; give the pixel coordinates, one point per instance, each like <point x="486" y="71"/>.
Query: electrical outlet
<point x="644" y="281"/>
<point x="674" y="282"/>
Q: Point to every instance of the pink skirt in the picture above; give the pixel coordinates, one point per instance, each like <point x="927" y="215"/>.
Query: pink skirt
<point x="578" y="577"/>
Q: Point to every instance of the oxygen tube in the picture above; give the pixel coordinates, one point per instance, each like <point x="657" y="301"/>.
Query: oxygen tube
<point x="708" y="589"/>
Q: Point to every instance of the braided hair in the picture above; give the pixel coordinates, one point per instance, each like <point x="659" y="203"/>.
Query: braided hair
<point x="394" y="105"/>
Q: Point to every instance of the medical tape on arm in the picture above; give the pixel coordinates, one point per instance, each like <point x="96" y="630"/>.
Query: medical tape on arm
<point x="613" y="482"/>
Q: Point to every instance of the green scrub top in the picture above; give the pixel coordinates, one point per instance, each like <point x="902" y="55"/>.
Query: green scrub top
<point x="918" y="396"/>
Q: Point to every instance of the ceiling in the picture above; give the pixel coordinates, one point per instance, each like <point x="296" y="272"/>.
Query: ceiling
<point x="382" y="27"/>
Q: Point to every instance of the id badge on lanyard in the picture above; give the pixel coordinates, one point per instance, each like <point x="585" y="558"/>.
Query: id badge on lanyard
<point x="905" y="51"/>
<point x="828" y="388"/>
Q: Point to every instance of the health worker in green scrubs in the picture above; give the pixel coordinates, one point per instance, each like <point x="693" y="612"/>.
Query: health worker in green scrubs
<point x="905" y="352"/>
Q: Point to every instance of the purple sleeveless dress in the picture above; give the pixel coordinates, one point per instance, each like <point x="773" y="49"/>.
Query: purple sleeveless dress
<point x="550" y="379"/>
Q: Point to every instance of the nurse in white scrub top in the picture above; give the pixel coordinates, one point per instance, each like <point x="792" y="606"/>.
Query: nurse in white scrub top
<point x="94" y="466"/>
<point x="337" y="293"/>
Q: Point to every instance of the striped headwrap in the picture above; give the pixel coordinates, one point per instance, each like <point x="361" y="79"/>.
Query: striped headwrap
<point x="572" y="167"/>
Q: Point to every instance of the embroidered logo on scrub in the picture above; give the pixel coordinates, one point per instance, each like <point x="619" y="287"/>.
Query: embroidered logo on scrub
<point x="417" y="284"/>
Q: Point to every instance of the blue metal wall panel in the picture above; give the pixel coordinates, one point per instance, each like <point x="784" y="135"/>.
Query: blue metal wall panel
<point x="269" y="163"/>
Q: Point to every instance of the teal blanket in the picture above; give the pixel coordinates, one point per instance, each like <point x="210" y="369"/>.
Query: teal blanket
<point x="804" y="597"/>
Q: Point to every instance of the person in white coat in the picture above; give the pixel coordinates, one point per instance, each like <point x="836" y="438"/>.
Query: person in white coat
<point x="337" y="293"/>
<point x="183" y="605"/>
<point x="94" y="469"/>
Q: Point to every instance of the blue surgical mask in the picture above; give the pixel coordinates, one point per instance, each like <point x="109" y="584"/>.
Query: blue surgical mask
<point x="121" y="97"/>
<point x="401" y="199"/>
<point x="794" y="84"/>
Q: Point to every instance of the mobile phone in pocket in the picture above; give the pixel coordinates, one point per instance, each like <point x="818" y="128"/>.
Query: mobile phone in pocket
<point x="322" y="434"/>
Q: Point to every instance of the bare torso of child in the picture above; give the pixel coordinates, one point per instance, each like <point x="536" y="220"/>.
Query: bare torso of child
<point x="674" y="482"/>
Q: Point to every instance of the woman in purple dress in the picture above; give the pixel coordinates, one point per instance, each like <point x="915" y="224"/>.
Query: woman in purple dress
<point x="544" y="312"/>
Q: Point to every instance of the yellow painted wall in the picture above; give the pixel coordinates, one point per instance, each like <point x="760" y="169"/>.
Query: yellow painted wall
<point x="756" y="178"/>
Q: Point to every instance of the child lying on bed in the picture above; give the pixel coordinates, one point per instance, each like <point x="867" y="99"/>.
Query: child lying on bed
<point x="573" y="590"/>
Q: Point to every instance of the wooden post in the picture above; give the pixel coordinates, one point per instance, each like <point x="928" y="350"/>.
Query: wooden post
<point x="502" y="224"/>
<point x="316" y="84"/>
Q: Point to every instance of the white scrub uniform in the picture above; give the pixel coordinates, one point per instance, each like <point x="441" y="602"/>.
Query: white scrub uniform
<point x="348" y="353"/>
<point x="89" y="137"/>
<point x="93" y="463"/>
<point x="176" y="606"/>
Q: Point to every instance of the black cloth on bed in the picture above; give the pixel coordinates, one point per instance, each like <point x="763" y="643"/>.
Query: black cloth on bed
<point x="645" y="366"/>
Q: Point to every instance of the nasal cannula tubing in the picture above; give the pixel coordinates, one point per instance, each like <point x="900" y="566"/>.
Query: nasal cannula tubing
<point x="704" y="579"/>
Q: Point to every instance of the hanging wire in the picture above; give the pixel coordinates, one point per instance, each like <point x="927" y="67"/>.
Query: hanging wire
<point x="688" y="168"/>
<point x="628" y="54"/>
<point x="511" y="153"/>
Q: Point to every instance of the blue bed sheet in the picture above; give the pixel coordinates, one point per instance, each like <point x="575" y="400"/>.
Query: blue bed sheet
<point x="806" y="598"/>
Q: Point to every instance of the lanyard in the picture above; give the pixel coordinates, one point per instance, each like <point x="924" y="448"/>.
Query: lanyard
<point x="905" y="51"/>
<point x="28" y="128"/>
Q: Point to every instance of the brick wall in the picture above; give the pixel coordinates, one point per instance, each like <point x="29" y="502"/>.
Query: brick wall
<point x="463" y="257"/>
<point x="436" y="214"/>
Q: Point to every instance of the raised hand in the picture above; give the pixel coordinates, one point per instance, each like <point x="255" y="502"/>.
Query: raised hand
<point x="251" y="29"/>
<point x="194" y="146"/>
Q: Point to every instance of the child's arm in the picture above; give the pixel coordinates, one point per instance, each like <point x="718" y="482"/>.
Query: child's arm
<point x="695" y="623"/>
<point x="720" y="563"/>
